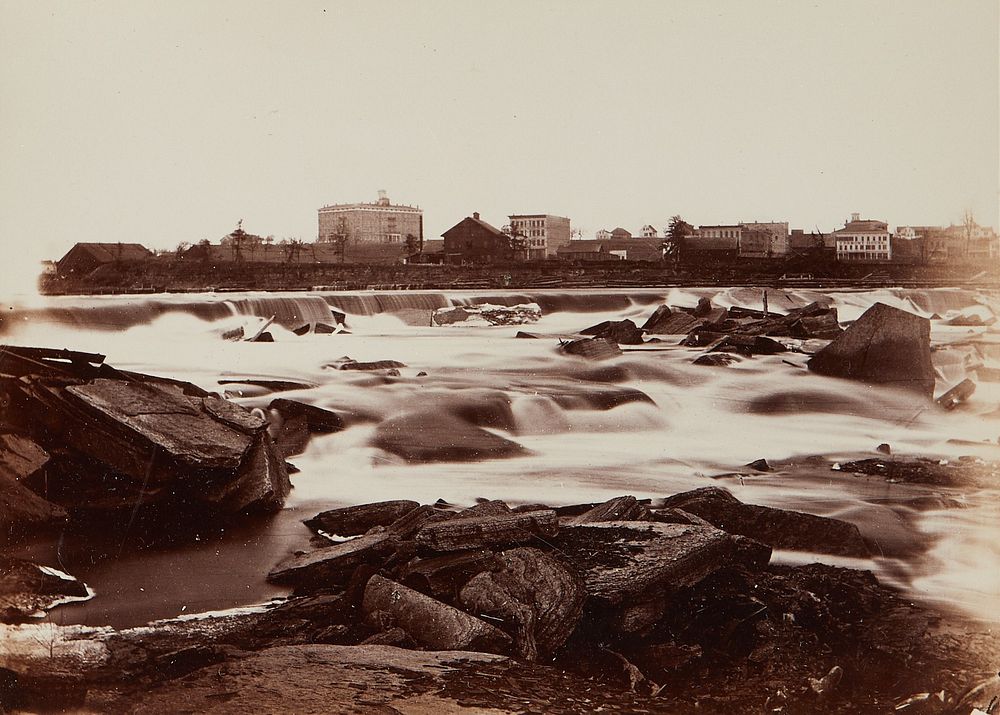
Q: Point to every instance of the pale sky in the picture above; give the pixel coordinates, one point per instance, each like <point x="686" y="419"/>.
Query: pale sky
<point x="169" y="121"/>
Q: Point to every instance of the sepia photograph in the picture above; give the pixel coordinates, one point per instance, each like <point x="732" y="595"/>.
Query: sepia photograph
<point x="562" y="357"/>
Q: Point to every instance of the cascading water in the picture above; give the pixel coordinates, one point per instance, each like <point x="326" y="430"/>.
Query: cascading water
<point x="648" y="423"/>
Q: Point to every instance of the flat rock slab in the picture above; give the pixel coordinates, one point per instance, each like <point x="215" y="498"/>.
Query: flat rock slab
<point x="439" y="437"/>
<point x="333" y="564"/>
<point x="27" y="588"/>
<point x="429" y="622"/>
<point x="778" y="528"/>
<point x="885" y="346"/>
<point x="356" y="520"/>
<point x="592" y="348"/>
<point x="623" y="559"/>
<point x="498" y="530"/>
<point x="168" y="420"/>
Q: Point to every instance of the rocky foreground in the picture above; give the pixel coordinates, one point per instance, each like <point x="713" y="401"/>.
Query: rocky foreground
<point x="666" y="605"/>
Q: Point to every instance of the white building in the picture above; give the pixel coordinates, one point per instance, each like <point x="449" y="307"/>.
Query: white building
<point x="863" y="240"/>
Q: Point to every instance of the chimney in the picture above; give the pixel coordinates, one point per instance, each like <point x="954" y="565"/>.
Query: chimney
<point x="475" y="215"/>
<point x="383" y="197"/>
<point x="855" y="217"/>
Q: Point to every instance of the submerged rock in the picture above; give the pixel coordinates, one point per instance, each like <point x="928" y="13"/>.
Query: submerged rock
<point x="885" y="346"/>
<point x="27" y="589"/>
<point x="592" y="348"/>
<point x="441" y="437"/>
<point x="623" y="332"/>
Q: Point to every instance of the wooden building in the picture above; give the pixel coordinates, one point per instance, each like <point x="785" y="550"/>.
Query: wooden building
<point x="472" y="240"/>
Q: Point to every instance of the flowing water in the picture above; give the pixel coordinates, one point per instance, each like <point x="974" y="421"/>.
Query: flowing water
<point x="700" y="426"/>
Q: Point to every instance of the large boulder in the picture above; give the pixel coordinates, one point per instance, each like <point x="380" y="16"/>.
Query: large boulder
<point x="441" y="437"/>
<point x="623" y="332"/>
<point x="536" y="596"/>
<point x="476" y="532"/>
<point x="592" y="348"/>
<point x="356" y="520"/>
<point x="885" y="346"/>
<point x="22" y="511"/>
<point x="665" y="321"/>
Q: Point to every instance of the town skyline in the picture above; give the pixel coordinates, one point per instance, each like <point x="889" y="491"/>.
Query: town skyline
<point x="169" y="123"/>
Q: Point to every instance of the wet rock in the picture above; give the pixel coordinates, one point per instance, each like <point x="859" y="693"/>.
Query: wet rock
<point x="628" y="567"/>
<point x="356" y="520"/>
<point x="957" y="395"/>
<point x="778" y="528"/>
<point x="429" y="622"/>
<point x="488" y="531"/>
<point x="884" y="448"/>
<point x="537" y="598"/>
<point x="885" y="346"/>
<point x="924" y="471"/>
<point x="22" y="511"/>
<point x="494" y="507"/>
<point x="302" y="329"/>
<point x="760" y="465"/>
<point x="261" y="483"/>
<point x="233" y="335"/>
<point x="317" y="419"/>
<point x="27" y="589"/>
<point x="623" y="332"/>
<point x="332" y="565"/>
<point x="716" y="360"/>
<point x="592" y="348"/>
<point x="325" y="329"/>
<point x="350" y="364"/>
<point x="270" y="385"/>
<point x="407" y="526"/>
<point x="440" y="437"/>
<point x="264" y="337"/>
<point x="443" y="576"/>
<point x="974" y="316"/>
<point x="748" y="345"/>
<point x="625" y="508"/>
<point x="663" y="321"/>
<point x="488" y="314"/>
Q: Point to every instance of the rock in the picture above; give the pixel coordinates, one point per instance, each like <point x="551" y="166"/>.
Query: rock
<point x="974" y="316"/>
<point x="592" y="348"/>
<point x="628" y="564"/>
<point x="618" y="509"/>
<point x="760" y="465"/>
<point x="825" y="685"/>
<point x="264" y="337"/>
<point x="535" y="596"/>
<point x="317" y="419"/>
<point x="444" y="576"/>
<point x="663" y="321"/>
<point x="26" y="589"/>
<point x="318" y="678"/>
<point x="261" y="483"/>
<point x="884" y="448"/>
<point x="748" y="345"/>
<point x="429" y="622"/>
<point x="778" y="528"/>
<point x="885" y="346"/>
<point x="957" y="395"/>
<point x="441" y="437"/>
<point x="356" y="520"/>
<point x="485" y="531"/>
<point x="487" y="314"/>
<point x="407" y="526"/>
<point x="623" y="332"/>
<point x="350" y="364"/>
<point x="325" y="329"/>
<point x="494" y="507"/>
<point x="824" y="325"/>
<point x="302" y="329"/>
<point x="332" y="565"/>
<point x="716" y="360"/>
<point x="270" y="385"/>
<point x="233" y="335"/>
<point x="22" y="511"/>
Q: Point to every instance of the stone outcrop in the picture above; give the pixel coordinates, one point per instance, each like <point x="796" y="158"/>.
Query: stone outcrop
<point x="26" y="589"/>
<point x="885" y="346"/>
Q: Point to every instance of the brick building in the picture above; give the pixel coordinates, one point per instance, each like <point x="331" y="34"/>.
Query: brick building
<point x="379" y="222"/>
<point x="863" y="240"/>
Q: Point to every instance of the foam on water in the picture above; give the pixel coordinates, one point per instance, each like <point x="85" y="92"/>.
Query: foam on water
<point x="699" y="423"/>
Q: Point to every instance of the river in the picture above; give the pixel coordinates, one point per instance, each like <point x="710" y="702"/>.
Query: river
<point x="700" y="427"/>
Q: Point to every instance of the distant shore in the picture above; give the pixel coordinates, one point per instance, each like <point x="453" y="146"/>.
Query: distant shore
<point x="190" y="277"/>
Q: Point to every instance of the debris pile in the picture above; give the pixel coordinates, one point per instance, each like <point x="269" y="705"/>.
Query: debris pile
<point x="487" y="314"/>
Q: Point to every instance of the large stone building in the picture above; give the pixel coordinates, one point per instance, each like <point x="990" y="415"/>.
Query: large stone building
<point x="863" y="240"/>
<point x="753" y="239"/>
<point x="543" y="233"/>
<point x="380" y="222"/>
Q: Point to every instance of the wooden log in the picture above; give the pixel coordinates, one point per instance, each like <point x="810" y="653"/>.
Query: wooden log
<point x="429" y="622"/>
<point x="479" y="532"/>
<point x="355" y="520"/>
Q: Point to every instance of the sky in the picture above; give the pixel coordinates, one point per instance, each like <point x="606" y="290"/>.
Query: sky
<point x="162" y="122"/>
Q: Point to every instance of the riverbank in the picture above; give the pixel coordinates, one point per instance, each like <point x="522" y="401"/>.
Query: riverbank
<point x="168" y="275"/>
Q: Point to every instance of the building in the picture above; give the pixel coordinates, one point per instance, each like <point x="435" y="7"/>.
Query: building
<point x="620" y="233"/>
<point x="700" y="249"/>
<point x="380" y="222"/>
<point x="648" y="231"/>
<point x="863" y="240"/>
<point x="85" y="257"/>
<point x="733" y="230"/>
<point x="297" y="253"/>
<point x="613" y="249"/>
<point x="603" y="235"/>
<point x="543" y="233"/>
<point x="954" y="243"/>
<point x="472" y="240"/>
<point x="770" y="239"/>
